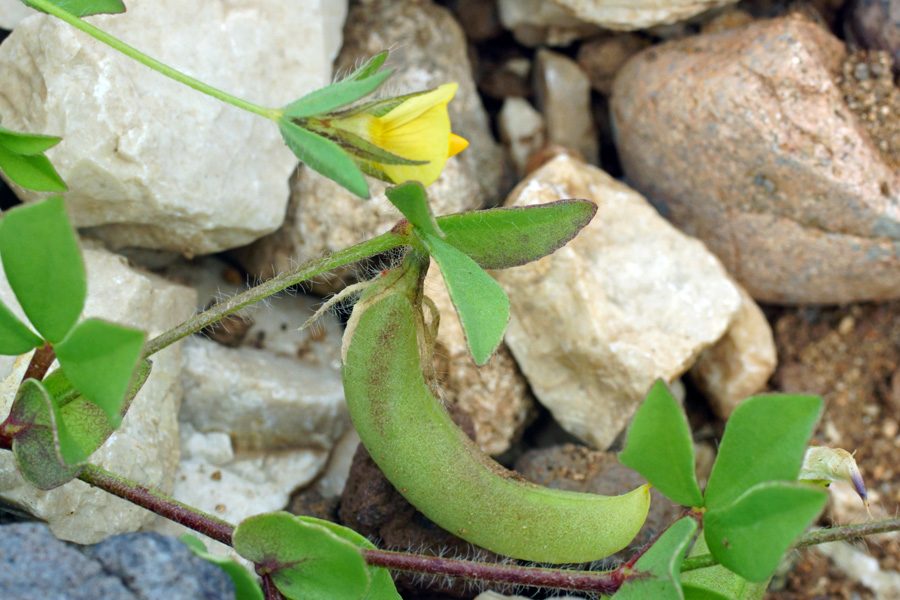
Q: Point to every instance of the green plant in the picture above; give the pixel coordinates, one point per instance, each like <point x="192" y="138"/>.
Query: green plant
<point x="751" y="512"/>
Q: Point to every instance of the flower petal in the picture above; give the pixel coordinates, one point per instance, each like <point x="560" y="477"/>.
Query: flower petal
<point x="457" y="145"/>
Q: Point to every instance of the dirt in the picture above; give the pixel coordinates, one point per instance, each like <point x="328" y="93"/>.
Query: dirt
<point x="867" y="83"/>
<point x="816" y="578"/>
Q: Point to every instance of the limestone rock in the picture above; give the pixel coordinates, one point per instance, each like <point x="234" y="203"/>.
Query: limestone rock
<point x="740" y="364"/>
<point x="263" y="401"/>
<point x="495" y="395"/>
<point x="804" y="187"/>
<point x="12" y="12"/>
<point x="145" y="448"/>
<point x="564" y="98"/>
<point x="540" y="23"/>
<point x="322" y="216"/>
<point x="628" y="301"/>
<point x="522" y="131"/>
<point x="150" y="162"/>
<point x="637" y="14"/>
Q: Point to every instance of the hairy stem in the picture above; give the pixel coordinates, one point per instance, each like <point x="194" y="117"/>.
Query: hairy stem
<point x="310" y="269"/>
<point x="603" y="582"/>
<point x="158" y="503"/>
<point x="117" y="44"/>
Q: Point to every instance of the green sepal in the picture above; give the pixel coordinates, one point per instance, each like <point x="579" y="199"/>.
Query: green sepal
<point x="100" y="360"/>
<point x="304" y="560"/>
<point x="656" y="574"/>
<point x="412" y="202"/>
<point x="354" y="145"/>
<point x="43" y="265"/>
<point x="84" y="8"/>
<point x="500" y="238"/>
<point x="334" y="96"/>
<point x="368" y="68"/>
<point x="661" y="449"/>
<point x="381" y="585"/>
<point x="378" y="108"/>
<point x="324" y="156"/>
<point x="751" y="535"/>
<point x="15" y="336"/>
<point x="245" y="585"/>
<point x="481" y="303"/>
<point x="764" y="440"/>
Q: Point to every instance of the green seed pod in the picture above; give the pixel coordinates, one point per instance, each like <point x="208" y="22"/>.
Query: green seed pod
<point x="437" y="467"/>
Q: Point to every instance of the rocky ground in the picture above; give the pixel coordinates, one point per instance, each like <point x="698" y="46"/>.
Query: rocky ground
<point x="744" y="158"/>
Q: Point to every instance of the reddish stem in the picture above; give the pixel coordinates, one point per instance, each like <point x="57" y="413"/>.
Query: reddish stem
<point x="269" y="590"/>
<point x="605" y="583"/>
<point x="41" y="360"/>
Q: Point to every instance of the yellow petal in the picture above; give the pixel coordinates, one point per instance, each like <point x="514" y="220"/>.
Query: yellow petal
<point x="418" y="105"/>
<point x="457" y="145"/>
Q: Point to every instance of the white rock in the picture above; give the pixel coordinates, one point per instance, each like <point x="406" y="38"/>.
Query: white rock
<point x="145" y="449"/>
<point x="234" y="485"/>
<point x="12" y="12"/>
<point x="334" y="477"/>
<point x="636" y="14"/>
<point x="740" y="363"/>
<point x="522" y="131"/>
<point x="537" y="23"/>
<point x="149" y="162"/>
<point x="628" y="301"/>
<point x="563" y="94"/>
<point x="495" y="395"/>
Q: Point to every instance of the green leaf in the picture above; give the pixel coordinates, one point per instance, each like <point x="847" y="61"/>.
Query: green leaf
<point x="305" y="560"/>
<point x="717" y="582"/>
<point x="501" y="238"/>
<point x="661" y="449"/>
<point x="334" y="96"/>
<point x="412" y="202"/>
<point x="43" y="265"/>
<point x="15" y="337"/>
<point x="35" y="443"/>
<point x="751" y="535"/>
<point x="26" y="143"/>
<point x="482" y="304"/>
<point x="659" y="567"/>
<point x="764" y="440"/>
<point x="83" y="426"/>
<point x="370" y="67"/>
<point x="245" y="585"/>
<point x="84" y="8"/>
<point x="100" y="358"/>
<point x="324" y="156"/>
<point x="31" y="171"/>
<point x="382" y="584"/>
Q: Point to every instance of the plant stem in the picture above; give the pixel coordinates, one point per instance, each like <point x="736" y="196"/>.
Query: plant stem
<point x="603" y="582"/>
<point x="51" y="8"/>
<point x="160" y="504"/>
<point x="41" y="360"/>
<point x="312" y="268"/>
<point x="269" y="590"/>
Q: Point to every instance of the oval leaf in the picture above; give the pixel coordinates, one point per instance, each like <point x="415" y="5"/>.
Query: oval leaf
<point x="412" y="202"/>
<point x="656" y="572"/>
<point x="305" y="560"/>
<point x="31" y="171"/>
<point x="100" y="358"/>
<point x="717" y="582"/>
<point x="661" y="449"/>
<point x="245" y="585"/>
<point x="43" y="265"/>
<point x="764" y="440"/>
<point x="15" y="336"/>
<point x="751" y="535"/>
<point x="500" y="238"/>
<point x="324" y="156"/>
<point x="26" y="143"/>
<point x="382" y="584"/>
<point x="83" y="8"/>
<point x="482" y="304"/>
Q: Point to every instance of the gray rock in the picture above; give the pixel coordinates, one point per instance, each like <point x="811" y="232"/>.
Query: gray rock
<point x="155" y="566"/>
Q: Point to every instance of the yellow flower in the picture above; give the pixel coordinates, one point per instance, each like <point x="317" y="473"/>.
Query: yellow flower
<point x="416" y="130"/>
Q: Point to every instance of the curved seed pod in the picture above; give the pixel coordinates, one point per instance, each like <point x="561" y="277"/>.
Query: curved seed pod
<point x="438" y="468"/>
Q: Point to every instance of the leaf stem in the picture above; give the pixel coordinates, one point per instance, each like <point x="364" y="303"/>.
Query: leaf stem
<point x="158" y="503"/>
<point x="41" y="360"/>
<point x="310" y="269"/>
<point x="49" y="7"/>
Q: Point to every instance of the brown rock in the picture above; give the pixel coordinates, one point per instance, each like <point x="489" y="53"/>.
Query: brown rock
<point x="744" y="140"/>
<point x="602" y="58"/>
<point x="580" y="469"/>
